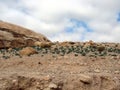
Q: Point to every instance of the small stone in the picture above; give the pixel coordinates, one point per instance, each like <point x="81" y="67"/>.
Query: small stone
<point x="106" y="71"/>
<point x="97" y="71"/>
<point x="14" y="81"/>
<point x="46" y="89"/>
<point x="39" y="63"/>
<point x="85" y="64"/>
<point x="47" y="78"/>
<point x="81" y="64"/>
<point x="9" y="49"/>
<point x="118" y="57"/>
<point x="71" y="72"/>
<point x="85" y="79"/>
<point x="117" y="72"/>
<point x="37" y="83"/>
<point x="51" y="63"/>
<point x="55" y="58"/>
<point x="52" y="86"/>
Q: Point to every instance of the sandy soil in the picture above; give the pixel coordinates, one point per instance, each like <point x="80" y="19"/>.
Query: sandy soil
<point x="50" y="69"/>
<point x="66" y="72"/>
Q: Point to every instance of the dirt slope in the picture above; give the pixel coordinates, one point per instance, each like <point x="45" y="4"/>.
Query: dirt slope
<point x="15" y="36"/>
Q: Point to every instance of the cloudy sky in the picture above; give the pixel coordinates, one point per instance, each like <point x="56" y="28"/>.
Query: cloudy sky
<point x="66" y="20"/>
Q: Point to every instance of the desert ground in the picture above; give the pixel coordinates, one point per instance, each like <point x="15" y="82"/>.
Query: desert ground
<point x="63" y="66"/>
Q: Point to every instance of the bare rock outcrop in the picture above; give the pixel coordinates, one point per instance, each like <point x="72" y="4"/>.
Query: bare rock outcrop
<point x="16" y="36"/>
<point x="43" y="44"/>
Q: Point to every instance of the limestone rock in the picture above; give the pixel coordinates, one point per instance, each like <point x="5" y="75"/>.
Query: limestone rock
<point x="97" y="71"/>
<point x="27" y="51"/>
<point x="85" y="79"/>
<point x="66" y="43"/>
<point x="89" y="43"/>
<point x="12" y="36"/>
<point x="52" y="86"/>
<point x="47" y="78"/>
<point x="43" y="44"/>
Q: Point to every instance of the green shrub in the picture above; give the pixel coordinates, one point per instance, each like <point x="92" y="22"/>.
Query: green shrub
<point x="5" y="57"/>
<point x="76" y="54"/>
<point x="83" y="54"/>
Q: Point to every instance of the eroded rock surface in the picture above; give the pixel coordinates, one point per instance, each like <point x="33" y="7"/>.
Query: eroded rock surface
<point x="15" y="36"/>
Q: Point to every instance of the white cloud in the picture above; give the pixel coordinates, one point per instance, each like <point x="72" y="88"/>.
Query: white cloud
<point x="69" y="36"/>
<point x="52" y="17"/>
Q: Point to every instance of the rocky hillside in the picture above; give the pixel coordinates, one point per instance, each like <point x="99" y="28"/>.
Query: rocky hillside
<point x="35" y="63"/>
<point x="15" y="36"/>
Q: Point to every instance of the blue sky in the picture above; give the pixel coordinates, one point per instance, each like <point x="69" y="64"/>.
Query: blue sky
<point x="66" y="20"/>
<point x="118" y="19"/>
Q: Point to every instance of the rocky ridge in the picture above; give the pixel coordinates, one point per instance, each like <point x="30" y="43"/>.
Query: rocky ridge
<point x="16" y="36"/>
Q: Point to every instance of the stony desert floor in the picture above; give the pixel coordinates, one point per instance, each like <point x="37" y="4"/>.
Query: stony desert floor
<point x="56" y="71"/>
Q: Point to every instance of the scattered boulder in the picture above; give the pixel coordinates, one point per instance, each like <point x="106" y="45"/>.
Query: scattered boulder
<point x="9" y="49"/>
<point x="27" y="51"/>
<point x="67" y="43"/>
<point x="97" y="71"/>
<point x="89" y="43"/>
<point x="85" y="79"/>
<point x="100" y="48"/>
<point x="47" y="78"/>
<point x="52" y="86"/>
<point x="43" y="44"/>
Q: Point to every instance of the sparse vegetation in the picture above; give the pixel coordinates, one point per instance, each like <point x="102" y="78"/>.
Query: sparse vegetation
<point x="92" y="51"/>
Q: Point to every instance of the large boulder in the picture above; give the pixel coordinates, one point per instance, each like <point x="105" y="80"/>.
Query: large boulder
<point x="16" y="36"/>
<point x="43" y="44"/>
<point x="27" y="51"/>
<point x="89" y="43"/>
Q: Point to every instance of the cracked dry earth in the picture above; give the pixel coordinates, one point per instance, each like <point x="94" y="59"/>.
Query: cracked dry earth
<point x="68" y="72"/>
